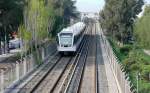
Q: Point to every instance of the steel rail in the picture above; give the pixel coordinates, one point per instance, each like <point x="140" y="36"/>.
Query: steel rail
<point x="39" y="77"/>
<point x="78" y="70"/>
<point x="25" y="80"/>
<point x="70" y="70"/>
<point x="42" y="85"/>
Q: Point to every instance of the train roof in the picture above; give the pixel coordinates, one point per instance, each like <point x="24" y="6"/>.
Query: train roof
<point x="75" y="29"/>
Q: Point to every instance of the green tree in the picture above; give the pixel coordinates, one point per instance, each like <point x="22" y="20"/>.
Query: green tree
<point x="11" y="15"/>
<point x="64" y="11"/>
<point x="118" y="18"/>
<point x="38" y="18"/>
<point x="141" y="29"/>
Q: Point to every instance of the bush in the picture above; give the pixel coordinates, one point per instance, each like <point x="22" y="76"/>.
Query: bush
<point x="138" y="62"/>
<point x="125" y="49"/>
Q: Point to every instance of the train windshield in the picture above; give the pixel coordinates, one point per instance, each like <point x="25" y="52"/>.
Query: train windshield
<point x="66" y="39"/>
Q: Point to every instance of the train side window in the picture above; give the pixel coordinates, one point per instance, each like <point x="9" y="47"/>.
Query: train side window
<point x="77" y="37"/>
<point x="57" y="40"/>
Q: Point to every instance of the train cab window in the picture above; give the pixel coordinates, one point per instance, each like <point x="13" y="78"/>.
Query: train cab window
<point x="66" y="39"/>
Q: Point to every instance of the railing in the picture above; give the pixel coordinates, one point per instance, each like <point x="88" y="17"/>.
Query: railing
<point x="20" y="69"/>
<point x="123" y="83"/>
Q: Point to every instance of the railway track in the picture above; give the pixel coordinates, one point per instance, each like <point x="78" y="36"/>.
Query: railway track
<point x="45" y="85"/>
<point x="36" y="71"/>
<point x="101" y="78"/>
<point x="74" y="83"/>
<point x="62" y="82"/>
<point x="54" y="80"/>
<point x="96" y="66"/>
<point x="61" y="74"/>
<point x="28" y="88"/>
<point x="72" y="72"/>
<point x="89" y="76"/>
<point x="65" y="79"/>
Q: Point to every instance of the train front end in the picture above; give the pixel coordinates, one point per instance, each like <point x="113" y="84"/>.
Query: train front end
<point x="65" y="42"/>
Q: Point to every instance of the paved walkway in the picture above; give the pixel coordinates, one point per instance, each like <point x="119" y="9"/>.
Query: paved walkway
<point x="108" y="82"/>
<point x="147" y="52"/>
<point x="88" y="82"/>
<point x="102" y="77"/>
<point x="7" y="60"/>
<point x="6" y="56"/>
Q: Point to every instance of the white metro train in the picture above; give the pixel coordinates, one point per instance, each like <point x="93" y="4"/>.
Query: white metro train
<point x="69" y="39"/>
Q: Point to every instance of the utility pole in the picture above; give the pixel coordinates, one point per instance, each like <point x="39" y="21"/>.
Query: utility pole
<point x="137" y="83"/>
<point x="137" y="77"/>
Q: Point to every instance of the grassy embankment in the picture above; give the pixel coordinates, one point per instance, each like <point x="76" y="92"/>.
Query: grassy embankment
<point x="135" y="63"/>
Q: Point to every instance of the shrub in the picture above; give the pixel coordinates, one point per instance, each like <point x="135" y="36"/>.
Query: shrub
<point x="125" y="49"/>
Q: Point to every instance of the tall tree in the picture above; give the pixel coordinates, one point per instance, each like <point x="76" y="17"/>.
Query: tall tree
<point x="141" y="29"/>
<point x="64" y="11"/>
<point x="118" y="17"/>
<point x="11" y="15"/>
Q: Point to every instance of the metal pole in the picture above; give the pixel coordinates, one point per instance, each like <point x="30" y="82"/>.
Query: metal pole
<point x="2" y="81"/>
<point x="137" y="83"/>
<point x="17" y="70"/>
<point x="25" y="66"/>
<point x="43" y="54"/>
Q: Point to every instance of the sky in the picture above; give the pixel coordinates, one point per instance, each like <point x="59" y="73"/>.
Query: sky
<point x="92" y="5"/>
<point x="141" y="14"/>
<point x="148" y="1"/>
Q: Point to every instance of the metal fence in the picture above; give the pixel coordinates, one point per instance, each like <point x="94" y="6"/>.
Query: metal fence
<point x="21" y="68"/>
<point x="124" y="85"/>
